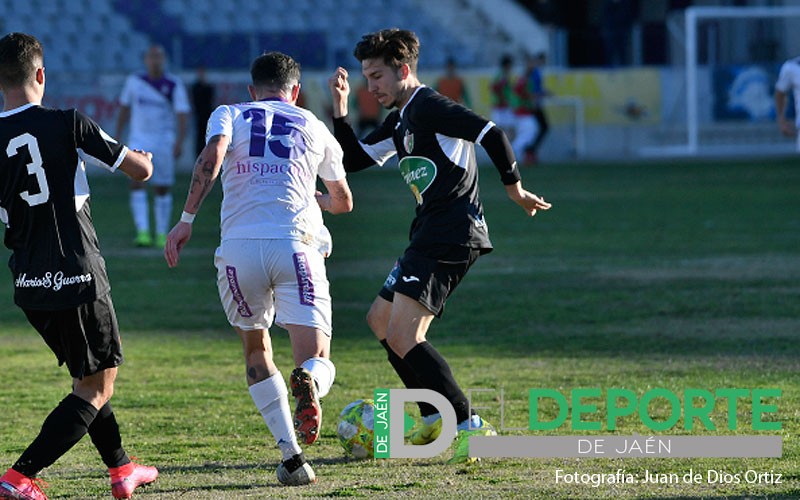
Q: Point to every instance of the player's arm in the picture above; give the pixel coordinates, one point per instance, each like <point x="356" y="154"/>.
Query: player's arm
<point x="206" y="171"/>
<point x="496" y="144"/>
<point x="781" y="101"/>
<point x="355" y="156"/>
<point x="338" y="199"/>
<point x="138" y="165"/>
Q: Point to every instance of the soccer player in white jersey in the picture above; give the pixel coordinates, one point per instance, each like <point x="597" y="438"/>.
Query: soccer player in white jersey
<point x="270" y="262"/>
<point x="788" y="81"/>
<point x="157" y="106"/>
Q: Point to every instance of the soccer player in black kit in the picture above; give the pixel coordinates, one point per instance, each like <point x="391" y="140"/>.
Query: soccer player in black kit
<point x="434" y="139"/>
<point x="60" y="279"/>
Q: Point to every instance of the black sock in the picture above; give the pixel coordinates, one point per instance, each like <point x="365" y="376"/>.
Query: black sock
<point x="434" y="373"/>
<point x="408" y="377"/>
<point x="64" y="427"/>
<point x="104" y="432"/>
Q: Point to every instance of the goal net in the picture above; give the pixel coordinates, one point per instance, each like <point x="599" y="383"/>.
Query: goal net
<point x="720" y="89"/>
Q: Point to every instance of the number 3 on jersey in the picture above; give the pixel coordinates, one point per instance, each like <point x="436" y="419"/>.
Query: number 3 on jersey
<point x="281" y="127"/>
<point x="34" y="167"/>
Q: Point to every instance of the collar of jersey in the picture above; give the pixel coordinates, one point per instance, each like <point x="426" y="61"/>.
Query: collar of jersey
<point x="17" y="110"/>
<point x="412" y="98"/>
<point x="276" y="98"/>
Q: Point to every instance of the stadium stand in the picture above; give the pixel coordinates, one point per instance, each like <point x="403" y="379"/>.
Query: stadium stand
<point x="104" y="35"/>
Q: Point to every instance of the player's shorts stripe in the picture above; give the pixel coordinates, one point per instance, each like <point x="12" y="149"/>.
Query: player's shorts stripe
<point x="233" y="284"/>
<point x="305" y="285"/>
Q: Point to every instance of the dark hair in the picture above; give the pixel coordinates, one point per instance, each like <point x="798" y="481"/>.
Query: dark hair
<point x="506" y="60"/>
<point x="275" y="70"/>
<point x="20" y="55"/>
<point x="395" y="46"/>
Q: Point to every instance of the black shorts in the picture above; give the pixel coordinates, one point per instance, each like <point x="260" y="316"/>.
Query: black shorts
<point x="86" y="337"/>
<point x="428" y="280"/>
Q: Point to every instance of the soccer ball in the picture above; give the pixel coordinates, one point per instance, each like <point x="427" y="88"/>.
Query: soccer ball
<point x="355" y="428"/>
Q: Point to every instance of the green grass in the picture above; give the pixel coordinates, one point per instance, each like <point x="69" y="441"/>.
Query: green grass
<point x="675" y="275"/>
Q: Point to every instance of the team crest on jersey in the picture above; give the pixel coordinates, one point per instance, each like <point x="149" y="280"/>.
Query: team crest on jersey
<point x="419" y="173"/>
<point x="408" y="142"/>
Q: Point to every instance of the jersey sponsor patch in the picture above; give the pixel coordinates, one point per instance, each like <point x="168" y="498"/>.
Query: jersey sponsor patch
<point x="419" y="173"/>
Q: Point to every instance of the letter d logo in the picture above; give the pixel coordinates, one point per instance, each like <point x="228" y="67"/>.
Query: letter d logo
<point x="397" y="400"/>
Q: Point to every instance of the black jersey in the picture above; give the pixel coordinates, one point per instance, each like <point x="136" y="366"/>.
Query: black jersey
<point x="433" y="138"/>
<point x="44" y="202"/>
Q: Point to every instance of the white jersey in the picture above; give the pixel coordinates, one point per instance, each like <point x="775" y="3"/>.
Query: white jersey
<point x="269" y="173"/>
<point x="789" y="79"/>
<point x="154" y="104"/>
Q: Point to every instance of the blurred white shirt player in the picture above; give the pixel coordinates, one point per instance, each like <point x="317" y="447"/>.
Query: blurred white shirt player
<point x="157" y="106"/>
<point x="271" y="260"/>
<point x="788" y="81"/>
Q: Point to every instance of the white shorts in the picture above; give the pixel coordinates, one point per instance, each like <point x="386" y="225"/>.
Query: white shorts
<point x="163" y="161"/>
<point x="259" y="280"/>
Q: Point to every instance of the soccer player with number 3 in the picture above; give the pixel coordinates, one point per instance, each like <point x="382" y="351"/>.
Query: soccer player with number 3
<point x="60" y="279"/>
<point x="271" y="261"/>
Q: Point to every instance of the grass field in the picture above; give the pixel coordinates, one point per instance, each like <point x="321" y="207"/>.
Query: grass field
<point x="675" y="275"/>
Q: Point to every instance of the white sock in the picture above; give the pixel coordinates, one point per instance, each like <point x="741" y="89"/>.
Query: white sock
<point x="139" y="209"/>
<point x="162" y="207"/>
<point x="323" y="371"/>
<point x="272" y="400"/>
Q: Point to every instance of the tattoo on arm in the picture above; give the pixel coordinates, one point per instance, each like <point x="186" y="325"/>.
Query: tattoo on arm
<point x="201" y="180"/>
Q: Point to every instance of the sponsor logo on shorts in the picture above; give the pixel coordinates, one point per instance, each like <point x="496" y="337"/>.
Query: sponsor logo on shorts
<point x="304" y="283"/>
<point x="233" y="284"/>
<point x="409" y="279"/>
<point x="392" y="278"/>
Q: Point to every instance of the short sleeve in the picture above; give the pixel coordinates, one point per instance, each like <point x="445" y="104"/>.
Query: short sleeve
<point x="784" y="82"/>
<point x="220" y="122"/>
<point x="95" y="146"/>
<point x="331" y="168"/>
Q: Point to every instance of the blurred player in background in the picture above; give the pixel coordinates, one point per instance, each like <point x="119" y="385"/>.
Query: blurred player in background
<point x="60" y="279"/>
<point x="271" y="261"/>
<point x="434" y="139"/>
<point x="502" y="91"/>
<point x="156" y="104"/>
<point x="532" y="124"/>
<point x="788" y="81"/>
<point x="452" y="85"/>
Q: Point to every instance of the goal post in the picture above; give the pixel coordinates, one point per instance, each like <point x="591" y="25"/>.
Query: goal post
<point x="717" y="94"/>
<point x="693" y="17"/>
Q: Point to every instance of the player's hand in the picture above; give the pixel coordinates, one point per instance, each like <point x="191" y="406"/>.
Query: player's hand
<point x="148" y="154"/>
<point x="531" y="203"/>
<point x="176" y="239"/>
<point x="323" y="200"/>
<point x="340" y="90"/>
<point x="527" y="200"/>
